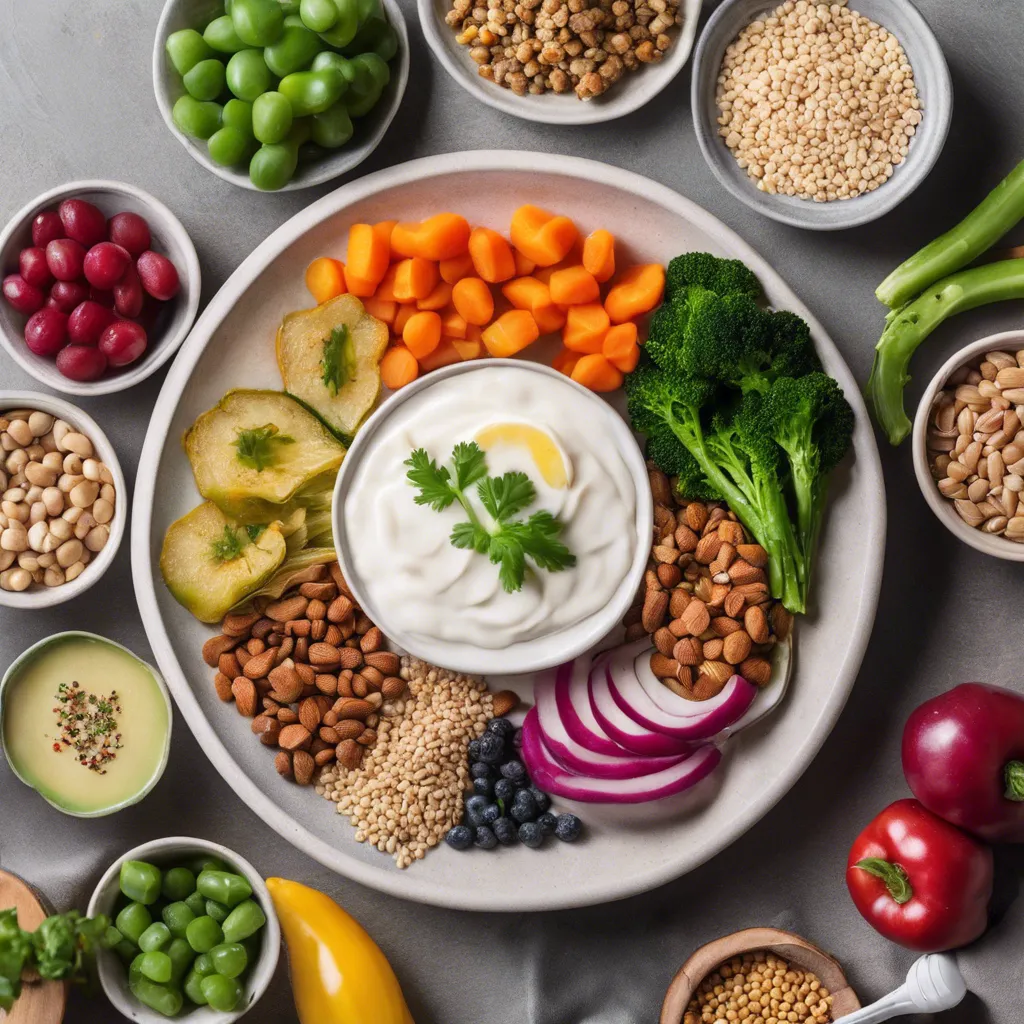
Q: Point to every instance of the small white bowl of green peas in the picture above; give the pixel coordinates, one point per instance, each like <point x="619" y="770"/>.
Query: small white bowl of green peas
<point x="227" y="962"/>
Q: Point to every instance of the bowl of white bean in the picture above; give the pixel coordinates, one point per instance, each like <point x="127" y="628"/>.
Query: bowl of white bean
<point x="63" y="501"/>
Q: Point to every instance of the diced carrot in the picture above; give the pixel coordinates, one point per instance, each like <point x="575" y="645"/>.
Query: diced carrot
<point x="444" y="355"/>
<point x="573" y="286"/>
<point x="473" y="299"/>
<point x="456" y="268"/>
<point x="524" y="267"/>
<point x="595" y="372"/>
<point x="325" y="278"/>
<point x="382" y="309"/>
<point x="620" y="346"/>
<point x="359" y="286"/>
<point x="422" y="333"/>
<point x="599" y="254"/>
<point x="382" y="232"/>
<point x="529" y="293"/>
<point x="511" y="333"/>
<point x="585" y="328"/>
<point x="398" y="367"/>
<point x="550" y="319"/>
<point x="541" y="236"/>
<point x="441" y="237"/>
<point x="369" y="253"/>
<point x="386" y="288"/>
<point x="470" y="347"/>
<point x="405" y="310"/>
<point x="638" y="291"/>
<point x="566" y="360"/>
<point x="415" y="279"/>
<point x="492" y="255"/>
<point x="438" y="298"/>
<point x="453" y="324"/>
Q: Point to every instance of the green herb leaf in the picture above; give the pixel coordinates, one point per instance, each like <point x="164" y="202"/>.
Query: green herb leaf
<point x="471" y="535"/>
<point x="338" y="365"/>
<point x="470" y="464"/>
<point x="255" y="531"/>
<point x="432" y="481"/>
<point x="255" y="446"/>
<point x="507" y="552"/>
<point x="539" y="539"/>
<point x="506" y="495"/>
<point x="228" y="546"/>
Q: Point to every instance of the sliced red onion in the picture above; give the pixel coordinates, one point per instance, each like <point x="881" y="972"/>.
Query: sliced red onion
<point x="572" y="694"/>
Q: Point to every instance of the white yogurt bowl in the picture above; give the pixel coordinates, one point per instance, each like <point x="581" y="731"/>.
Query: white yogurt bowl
<point x="527" y="655"/>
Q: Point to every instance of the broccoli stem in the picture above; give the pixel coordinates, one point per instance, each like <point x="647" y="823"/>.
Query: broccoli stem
<point x="1001" y="209"/>
<point x="909" y="326"/>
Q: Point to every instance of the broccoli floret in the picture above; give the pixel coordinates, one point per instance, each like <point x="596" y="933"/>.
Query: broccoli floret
<point x="726" y="277"/>
<point x="688" y="480"/>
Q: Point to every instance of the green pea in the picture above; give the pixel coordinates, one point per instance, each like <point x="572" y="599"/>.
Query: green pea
<point x="203" y="934"/>
<point x="318" y="15"/>
<point x="180" y="882"/>
<point x="375" y="35"/>
<point x="248" y="75"/>
<point x="155" y="938"/>
<point x="162" y="998"/>
<point x="135" y="968"/>
<point x="229" y="959"/>
<point x="193" y="988"/>
<point x="375" y="67"/>
<point x="272" y="166"/>
<point x="177" y="917"/>
<point x="220" y="35"/>
<point x="290" y="8"/>
<point x="257" y="22"/>
<point x="245" y="920"/>
<point x="295" y="49"/>
<point x="127" y="951"/>
<point x="238" y="115"/>
<point x="203" y="965"/>
<point x="217" y="911"/>
<point x="333" y="128"/>
<point x="342" y="32"/>
<point x="328" y="60"/>
<point x="228" y="147"/>
<point x="311" y="92"/>
<point x="156" y="966"/>
<point x="224" y="886"/>
<point x="186" y="48"/>
<point x="133" y="921"/>
<point x="201" y="864"/>
<point x="197" y="904"/>
<point x="200" y="120"/>
<point x="366" y="91"/>
<point x="367" y="9"/>
<point x="111" y="937"/>
<point x="223" y="994"/>
<point x="181" y="955"/>
<point x="206" y="80"/>
<point x="140" y="881"/>
<point x="271" y="117"/>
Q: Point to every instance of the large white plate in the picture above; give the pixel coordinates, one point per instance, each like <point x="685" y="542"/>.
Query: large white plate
<point x="232" y="346"/>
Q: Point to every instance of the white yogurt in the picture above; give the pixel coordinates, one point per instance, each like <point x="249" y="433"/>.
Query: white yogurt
<point x="401" y="552"/>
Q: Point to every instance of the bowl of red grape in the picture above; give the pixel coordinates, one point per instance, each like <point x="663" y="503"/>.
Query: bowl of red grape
<point x="100" y="287"/>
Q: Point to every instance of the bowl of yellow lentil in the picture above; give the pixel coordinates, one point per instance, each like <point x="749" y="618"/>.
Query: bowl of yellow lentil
<point x="776" y="977"/>
<point x="821" y="116"/>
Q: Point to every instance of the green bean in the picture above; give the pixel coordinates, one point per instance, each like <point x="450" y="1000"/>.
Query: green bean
<point x="203" y="934"/>
<point x="245" y="920"/>
<point x="318" y="15"/>
<point x="193" y="988"/>
<point x="182" y="956"/>
<point x="229" y="959"/>
<point x="217" y="911"/>
<point x="180" y="882"/>
<point x="140" y="881"/>
<point x="161" y="998"/>
<point x="200" y="120"/>
<point x="186" y="48"/>
<point x="248" y="75"/>
<point x="221" y="993"/>
<point x="197" y="904"/>
<point x="311" y="92"/>
<point x="271" y="117"/>
<point x="295" y="49"/>
<point x="156" y="966"/>
<point x="133" y="921"/>
<point x="206" y="80"/>
<point x="333" y="128"/>
<point x="155" y="938"/>
<point x="224" y="886"/>
<point x="221" y="36"/>
<point x="257" y="22"/>
<point x="342" y="32"/>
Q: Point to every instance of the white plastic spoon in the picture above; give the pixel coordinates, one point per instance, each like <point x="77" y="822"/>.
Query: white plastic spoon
<point x="934" y="983"/>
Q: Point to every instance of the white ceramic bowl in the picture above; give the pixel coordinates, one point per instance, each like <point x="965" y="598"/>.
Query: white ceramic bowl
<point x="530" y="655"/>
<point x="990" y="544"/>
<point x="167" y="852"/>
<point x="630" y="93"/>
<point x="175" y="317"/>
<point x="15" y="668"/>
<point x="46" y="597"/>
<point x="933" y="85"/>
<point x="167" y="86"/>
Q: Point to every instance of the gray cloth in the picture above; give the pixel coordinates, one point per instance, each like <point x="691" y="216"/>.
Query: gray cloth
<point x="76" y="102"/>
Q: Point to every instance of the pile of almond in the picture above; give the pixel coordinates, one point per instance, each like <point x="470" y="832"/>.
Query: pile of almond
<point x="311" y="671"/>
<point x="705" y="601"/>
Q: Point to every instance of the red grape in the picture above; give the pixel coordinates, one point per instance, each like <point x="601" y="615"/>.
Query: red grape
<point x="81" y="362"/>
<point x="65" y="257"/>
<point x="122" y="342"/>
<point x="82" y="221"/>
<point x="46" y="228"/>
<point x="128" y="293"/>
<point x="32" y="264"/>
<point x="46" y="331"/>
<point x="87" y="322"/>
<point x="158" y="274"/>
<point x="105" y="263"/>
<point x="130" y="231"/>
<point x="22" y="296"/>
<point x="68" y="294"/>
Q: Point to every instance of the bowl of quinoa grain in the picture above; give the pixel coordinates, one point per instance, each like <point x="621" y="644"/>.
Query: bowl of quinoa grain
<point x="562" y="61"/>
<point x="822" y="116"/>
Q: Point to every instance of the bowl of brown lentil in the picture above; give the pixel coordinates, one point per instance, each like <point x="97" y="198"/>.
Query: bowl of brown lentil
<point x="776" y="976"/>
<point x="822" y="116"/>
<point x="562" y="61"/>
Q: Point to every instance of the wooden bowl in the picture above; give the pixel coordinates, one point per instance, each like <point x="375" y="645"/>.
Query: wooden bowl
<point x="790" y="947"/>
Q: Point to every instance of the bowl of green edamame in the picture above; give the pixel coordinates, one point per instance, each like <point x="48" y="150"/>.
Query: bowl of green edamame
<point x="197" y="938"/>
<point x="277" y="95"/>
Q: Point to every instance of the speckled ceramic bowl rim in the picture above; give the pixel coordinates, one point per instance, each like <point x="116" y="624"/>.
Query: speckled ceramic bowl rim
<point x="990" y="544"/>
<point x="27" y="656"/>
<point x="47" y="597"/>
<point x="528" y="656"/>
<point x="113" y="976"/>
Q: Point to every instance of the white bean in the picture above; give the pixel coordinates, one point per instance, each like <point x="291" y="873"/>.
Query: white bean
<point x="3" y="480"/>
<point x="107" y="493"/>
<point x="35" y="452"/>
<point x="14" y="538"/>
<point x="72" y="464"/>
<point x="48" y="443"/>
<point x="33" y="494"/>
<point x="61" y="529"/>
<point x="53" y="577"/>
<point x="105" y="475"/>
<point x="28" y="560"/>
<point x="97" y="538"/>
<point x="51" y="543"/>
<point x="66" y="482"/>
<point x="60" y="429"/>
<point x="18" y="513"/>
<point x="7" y="559"/>
<point x="68" y="553"/>
<point x="53" y="500"/>
<point x="21" y="432"/>
<point x="7" y="442"/>
<point x="91" y="469"/>
<point x="102" y="510"/>
<point x="85" y="493"/>
<point x="37" y="534"/>
<point x="46" y="559"/>
<point x="15" y="494"/>
<point x="72" y="572"/>
<point x="71" y="514"/>
<point x="77" y="443"/>
<point x="15" y="579"/>
<point x="16" y="461"/>
<point x="52" y="460"/>
<point x="40" y="423"/>
<point x="40" y="475"/>
<point x="37" y="513"/>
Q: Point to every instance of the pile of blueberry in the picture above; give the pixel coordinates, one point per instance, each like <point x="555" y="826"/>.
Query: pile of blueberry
<point x="505" y="807"/>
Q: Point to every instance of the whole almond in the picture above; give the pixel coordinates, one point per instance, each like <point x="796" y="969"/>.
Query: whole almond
<point x="310" y="714"/>
<point x="696" y="516"/>
<point x="352" y="707"/>
<point x="324" y="656"/>
<point x="719" y="592"/>
<point x="756" y="624"/>
<point x="244" y="692"/>
<point x="287" y="715"/>
<point x="289" y="608"/>
<point x="371" y="641"/>
<point x="316" y="609"/>
<point x="228" y="664"/>
<point x="678" y="627"/>
<point x="374" y="676"/>
<point x="294" y="737"/>
<point x="731" y="532"/>
<point x="216" y="646"/>
<point x="349" y="729"/>
<point x="385" y="662"/>
<point x="339" y="608"/>
<point x="368" y="738"/>
<point x="713" y="649"/>
<point x="677" y="602"/>
<point x="360" y="687"/>
<point x="741" y="572"/>
<point x="339" y="581"/>
<point x="306" y="673"/>
<point x="325" y="757"/>
<point x="255" y="646"/>
<point x="696" y="618"/>
<point x="661" y="489"/>
<point x="336" y="635"/>
<point x="311" y="574"/>
<point x="325" y="591"/>
<point x="362" y="622"/>
<point x="708" y="685"/>
<point x="655" y="606"/>
<point x="664" y="667"/>
<point x="686" y="539"/>
<point x="669" y="575"/>
<point x="733" y="605"/>
<point x="664" y="640"/>
<point x="327" y="684"/>
<point x="723" y="625"/>
<point x="303" y="767"/>
<point x="754" y="554"/>
<point x="753" y="593"/>
<point x="345" y="683"/>
<point x="283" y="764"/>
<point x="222" y="685"/>
<point x="318" y="630"/>
<point x="261" y="664"/>
<point x="504" y="701"/>
<point x="350" y="754"/>
<point x="688" y="651"/>
<point x="725" y="557"/>
<point x="270" y="707"/>
<point x="756" y="670"/>
<point x="286" y="682"/>
<point x="263" y="628"/>
<point x="329" y="735"/>
<point x="298" y="627"/>
<point x="268" y="729"/>
<point x="708" y="548"/>
<point x="782" y="621"/>
<point x="239" y="623"/>
<point x="736" y="647"/>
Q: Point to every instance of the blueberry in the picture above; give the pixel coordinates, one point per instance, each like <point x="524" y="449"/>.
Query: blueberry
<point x="531" y="835"/>
<point x="542" y="800"/>
<point x="481" y="770"/>
<point x="505" y="789"/>
<point x="492" y="748"/>
<point x="459" y="838"/>
<point x="475" y="808"/>
<point x="547" y="822"/>
<point x="568" y="827"/>
<point x="485" y="838"/>
<point x="514" y="770"/>
<point x="507" y="831"/>
<point x="490" y="814"/>
<point x="474" y="750"/>
<point x="483" y="787"/>
<point x="501" y="727"/>
<point x="524" y="807"/>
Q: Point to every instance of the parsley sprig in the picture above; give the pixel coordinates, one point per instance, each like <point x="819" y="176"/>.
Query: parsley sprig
<point x="508" y="542"/>
<point x="254" y="446"/>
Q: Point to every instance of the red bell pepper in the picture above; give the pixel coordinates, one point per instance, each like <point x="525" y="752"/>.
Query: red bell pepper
<point x="963" y="756"/>
<point x="920" y="881"/>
